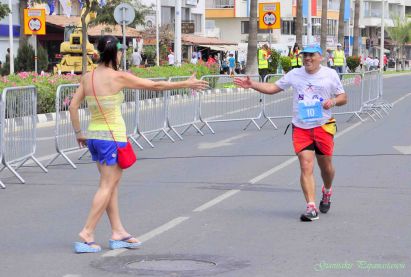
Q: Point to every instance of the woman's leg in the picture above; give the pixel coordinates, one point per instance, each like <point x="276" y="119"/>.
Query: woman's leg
<point x="109" y="180"/>
<point x="113" y="212"/>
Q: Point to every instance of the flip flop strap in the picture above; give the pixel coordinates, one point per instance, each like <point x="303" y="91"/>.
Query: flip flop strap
<point x="90" y="243"/>
<point x="127" y="238"/>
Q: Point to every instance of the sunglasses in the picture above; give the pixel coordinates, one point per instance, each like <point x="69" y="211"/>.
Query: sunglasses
<point x="306" y="55"/>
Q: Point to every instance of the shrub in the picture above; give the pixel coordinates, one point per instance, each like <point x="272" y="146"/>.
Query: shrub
<point x="285" y="62"/>
<point x="274" y="61"/>
<point x="353" y="62"/>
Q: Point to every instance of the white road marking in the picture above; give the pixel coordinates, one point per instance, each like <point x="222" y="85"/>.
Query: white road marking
<point x="221" y="143"/>
<point x="72" y="275"/>
<point x="406" y="150"/>
<point x="147" y="236"/>
<point x="216" y="200"/>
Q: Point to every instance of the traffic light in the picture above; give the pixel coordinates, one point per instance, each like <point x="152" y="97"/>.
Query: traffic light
<point x="367" y="43"/>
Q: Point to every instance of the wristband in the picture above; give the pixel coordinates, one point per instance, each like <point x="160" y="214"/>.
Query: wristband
<point x="334" y="102"/>
<point x="77" y="131"/>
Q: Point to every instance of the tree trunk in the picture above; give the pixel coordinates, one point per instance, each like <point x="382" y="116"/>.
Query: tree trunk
<point x="299" y="23"/>
<point x="356" y="28"/>
<point x="324" y="28"/>
<point x="22" y="6"/>
<point x="252" y="40"/>
<point x="84" y="40"/>
<point x="341" y="22"/>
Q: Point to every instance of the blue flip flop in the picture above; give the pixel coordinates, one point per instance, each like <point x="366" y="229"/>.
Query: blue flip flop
<point x="86" y="247"/>
<point x="116" y="244"/>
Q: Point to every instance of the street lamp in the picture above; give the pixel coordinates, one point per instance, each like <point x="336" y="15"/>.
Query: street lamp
<point x="382" y="38"/>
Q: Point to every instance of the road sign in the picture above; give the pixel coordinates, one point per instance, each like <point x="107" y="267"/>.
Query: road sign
<point x="34" y="21"/>
<point x="124" y="13"/>
<point x="269" y="16"/>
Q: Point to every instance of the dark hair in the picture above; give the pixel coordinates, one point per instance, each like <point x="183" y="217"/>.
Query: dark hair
<point x="107" y="47"/>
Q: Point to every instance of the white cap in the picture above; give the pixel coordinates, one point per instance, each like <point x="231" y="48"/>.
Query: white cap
<point x="339" y="45"/>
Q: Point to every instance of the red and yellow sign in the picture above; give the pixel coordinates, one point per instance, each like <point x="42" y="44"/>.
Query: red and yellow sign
<point x="269" y="15"/>
<point x="34" y="21"/>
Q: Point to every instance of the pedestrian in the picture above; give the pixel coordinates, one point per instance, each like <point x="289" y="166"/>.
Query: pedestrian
<point x="194" y="59"/>
<point x="136" y="58"/>
<point x="231" y="63"/>
<point x="339" y="60"/>
<point x="329" y="57"/>
<point x="171" y="59"/>
<point x="263" y="56"/>
<point x="376" y="63"/>
<point x="317" y="89"/>
<point x="296" y="61"/>
<point x="103" y="86"/>
<point x="385" y="62"/>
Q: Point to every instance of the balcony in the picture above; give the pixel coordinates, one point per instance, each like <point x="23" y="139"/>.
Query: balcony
<point x="220" y="9"/>
<point x="220" y="4"/>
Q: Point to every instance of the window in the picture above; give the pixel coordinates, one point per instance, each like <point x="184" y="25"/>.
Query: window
<point x="197" y="22"/>
<point x="287" y="27"/>
<point x="245" y="28"/>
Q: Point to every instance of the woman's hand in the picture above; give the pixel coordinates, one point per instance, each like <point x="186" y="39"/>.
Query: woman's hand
<point x="81" y="140"/>
<point x="196" y="84"/>
<point x="243" y="82"/>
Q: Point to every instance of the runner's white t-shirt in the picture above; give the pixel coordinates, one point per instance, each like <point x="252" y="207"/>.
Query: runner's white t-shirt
<point x="309" y="89"/>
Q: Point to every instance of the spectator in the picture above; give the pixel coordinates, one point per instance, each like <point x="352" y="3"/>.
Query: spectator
<point x="194" y="59"/>
<point x="231" y="63"/>
<point x="339" y="60"/>
<point x="171" y="59"/>
<point x="136" y="58"/>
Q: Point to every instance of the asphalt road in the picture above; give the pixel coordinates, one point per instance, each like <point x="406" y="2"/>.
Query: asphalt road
<point x="226" y="204"/>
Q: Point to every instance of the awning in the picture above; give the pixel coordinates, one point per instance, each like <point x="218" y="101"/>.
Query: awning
<point x="385" y="50"/>
<point x="220" y="47"/>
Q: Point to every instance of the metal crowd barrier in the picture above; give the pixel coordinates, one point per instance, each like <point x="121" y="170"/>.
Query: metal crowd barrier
<point x="373" y="102"/>
<point x="129" y="111"/>
<point x="65" y="139"/>
<point x="226" y="102"/>
<point x="353" y="84"/>
<point x="183" y="108"/>
<point x="19" y="120"/>
<point x="278" y="105"/>
<point x="152" y="117"/>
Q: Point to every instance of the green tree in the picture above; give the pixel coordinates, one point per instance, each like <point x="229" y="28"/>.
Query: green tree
<point x="25" y="57"/>
<point x="252" y="39"/>
<point x="400" y="34"/>
<point x="4" y="10"/>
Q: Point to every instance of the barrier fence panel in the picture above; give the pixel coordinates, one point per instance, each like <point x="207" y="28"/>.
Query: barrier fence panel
<point x="129" y="111"/>
<point x="65" y="138"/>
<point x="182" y="108"/>
<point x="279" y="105"/>
<point x="372" y="92"/>
<point x="1" y="136"/>
<point x="226" y="102"/>
<point x="353" y="84"/>
<point x="19" y="128"/>
<point x="152" y="113"/>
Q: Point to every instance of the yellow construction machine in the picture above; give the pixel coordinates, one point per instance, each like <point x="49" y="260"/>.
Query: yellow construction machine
<point x="71" y="51"/>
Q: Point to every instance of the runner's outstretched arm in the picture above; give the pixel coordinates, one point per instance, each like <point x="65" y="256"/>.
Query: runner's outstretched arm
<point x="266" y="88"/>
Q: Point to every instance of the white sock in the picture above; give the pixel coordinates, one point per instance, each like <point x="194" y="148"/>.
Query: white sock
<point x="312" y="204"/>
<point x="327" y="190"/>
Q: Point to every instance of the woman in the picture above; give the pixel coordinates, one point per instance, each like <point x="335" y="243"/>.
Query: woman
<point x="296" y="61"/>
<point x="108" y="83"/>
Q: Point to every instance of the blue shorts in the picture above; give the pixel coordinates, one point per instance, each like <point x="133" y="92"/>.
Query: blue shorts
<point x="104" y="151"/>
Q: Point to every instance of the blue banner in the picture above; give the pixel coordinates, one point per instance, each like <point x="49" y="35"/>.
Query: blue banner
<point x="4" y="30"/>
<point x="347" y="10"/>
<point x="305" y="8"/>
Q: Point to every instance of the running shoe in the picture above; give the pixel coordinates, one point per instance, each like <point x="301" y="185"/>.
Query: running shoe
<point x="310" y="214"/>
<point x="325" y="203"/>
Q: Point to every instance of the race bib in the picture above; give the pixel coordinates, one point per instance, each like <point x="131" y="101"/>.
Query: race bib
<point x="308" y="111"/>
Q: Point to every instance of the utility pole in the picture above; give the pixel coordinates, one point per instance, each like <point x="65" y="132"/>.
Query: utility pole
<point x="309" y="24"/>
<point x="158" y="24"/>
<point x="177" y="34"/>
<point x="382" y="38"/>
<point x="11" y="54"/>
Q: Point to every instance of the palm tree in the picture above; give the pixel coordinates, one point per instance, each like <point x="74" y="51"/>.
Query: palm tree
<point x="356" y="27"/>
<point x="299" y="23"/>
<point x="252" y="40"/>
<point x="341" y="22"/>
<point x="400" y="34"/>
<point x="324" y="27"/>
